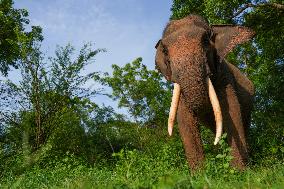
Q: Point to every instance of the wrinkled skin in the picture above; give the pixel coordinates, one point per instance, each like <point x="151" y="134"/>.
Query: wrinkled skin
<point x="191" y="50"/>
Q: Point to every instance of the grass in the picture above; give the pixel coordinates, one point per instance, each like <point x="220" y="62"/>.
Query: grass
<point x="162" y="165"/>
<point x="135" y="171"/>
<point x="82" y="177"/>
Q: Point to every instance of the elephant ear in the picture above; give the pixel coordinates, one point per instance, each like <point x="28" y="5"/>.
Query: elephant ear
<point x="226" y="37"/>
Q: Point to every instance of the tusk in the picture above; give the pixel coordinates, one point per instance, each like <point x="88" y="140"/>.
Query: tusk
<point x="217" y="110"/>
<point x="173" y="109"/>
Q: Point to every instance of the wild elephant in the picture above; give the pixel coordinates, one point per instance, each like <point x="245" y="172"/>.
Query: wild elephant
<point x="207" y="89"/>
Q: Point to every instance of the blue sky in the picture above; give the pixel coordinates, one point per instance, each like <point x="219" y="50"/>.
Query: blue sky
<point x="127" y="29"/>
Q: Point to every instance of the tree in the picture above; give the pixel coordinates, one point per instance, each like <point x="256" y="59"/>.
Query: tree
<point x="51" y="103"/>
<point x="142" y="91"/>
<point x="13" y="34"/>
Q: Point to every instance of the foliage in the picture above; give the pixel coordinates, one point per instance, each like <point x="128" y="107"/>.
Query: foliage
<point x="136" y="169"/>
<point x="13" y="35"/>
<point x="143" y="92"/>
<point x="50" y="107"/>
<point x="220" y="163"/>
<point x="217" y="12"/>
<point x="65" y="77"/>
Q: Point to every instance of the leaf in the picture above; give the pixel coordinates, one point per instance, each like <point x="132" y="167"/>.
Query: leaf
<point x="220" y="156"/>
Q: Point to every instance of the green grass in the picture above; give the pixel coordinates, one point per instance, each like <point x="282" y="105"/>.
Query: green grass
<point x="162" y="165"/>
<point x="133" y="171"/>
<point x="82" y="177"/>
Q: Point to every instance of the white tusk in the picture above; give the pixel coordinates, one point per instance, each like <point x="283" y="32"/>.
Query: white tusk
<point x="173" y="109"/>
<point x="217" y="110"/>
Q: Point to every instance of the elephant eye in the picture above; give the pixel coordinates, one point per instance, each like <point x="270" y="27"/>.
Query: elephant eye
<point x="165" y="50"/>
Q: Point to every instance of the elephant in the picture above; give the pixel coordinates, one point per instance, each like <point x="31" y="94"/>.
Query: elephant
<point x="207" y="89"/>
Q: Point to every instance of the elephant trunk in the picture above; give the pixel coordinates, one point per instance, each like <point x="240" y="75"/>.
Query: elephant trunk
<point x="215" y="105"/>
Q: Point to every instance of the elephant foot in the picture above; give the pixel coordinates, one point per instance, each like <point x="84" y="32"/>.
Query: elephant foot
<point x="240" y="155"/>
<point x="238" y="163"/>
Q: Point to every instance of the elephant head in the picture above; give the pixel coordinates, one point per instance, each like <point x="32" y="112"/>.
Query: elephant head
<point x="189" y="54"/>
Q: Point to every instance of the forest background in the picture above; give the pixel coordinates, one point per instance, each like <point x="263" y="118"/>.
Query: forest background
<point x="54" y="133"/>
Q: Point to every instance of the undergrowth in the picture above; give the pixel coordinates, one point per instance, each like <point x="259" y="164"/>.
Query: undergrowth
<point x="132" y="168"/>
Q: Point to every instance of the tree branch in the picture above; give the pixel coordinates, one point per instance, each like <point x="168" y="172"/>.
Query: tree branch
<point x="248" y="5"/>
<point x="277" y="5"/>
<point x="242" y="10"/>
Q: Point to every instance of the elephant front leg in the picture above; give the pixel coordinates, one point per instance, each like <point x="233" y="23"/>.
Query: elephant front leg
<point x="234" y="126"/>
<point x="189" y="132"/>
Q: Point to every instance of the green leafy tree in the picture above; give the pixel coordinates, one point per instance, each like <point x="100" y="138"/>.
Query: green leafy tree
<point x="13" y="35"/>
<point x="51" y="109"/>
<point x="143" y="92"/>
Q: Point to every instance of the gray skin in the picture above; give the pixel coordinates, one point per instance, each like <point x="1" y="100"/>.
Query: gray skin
<point x="189" y="52"/>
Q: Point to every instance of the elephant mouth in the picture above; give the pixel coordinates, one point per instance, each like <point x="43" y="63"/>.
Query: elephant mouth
<point x="214" y="102"/>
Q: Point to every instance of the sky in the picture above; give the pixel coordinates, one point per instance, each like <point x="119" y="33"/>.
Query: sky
<point x="127" y="29"/>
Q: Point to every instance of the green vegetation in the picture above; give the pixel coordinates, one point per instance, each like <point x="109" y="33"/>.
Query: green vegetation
<point x="13" y="35"/>
<point x="141" y="91"/>
<point x="164" y="167"/>
<point x="53" y="134"/>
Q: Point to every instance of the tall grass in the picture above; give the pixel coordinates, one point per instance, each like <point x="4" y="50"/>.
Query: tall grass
<point x="166" y="168"/>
